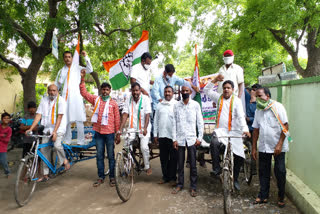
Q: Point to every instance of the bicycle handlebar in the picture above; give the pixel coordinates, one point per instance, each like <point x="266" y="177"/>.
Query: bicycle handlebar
<point x="38" y="136"/>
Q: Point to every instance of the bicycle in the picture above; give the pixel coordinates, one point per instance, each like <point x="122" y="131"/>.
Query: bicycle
<point x="227" y="174"/>
<point x="128" y="161"/>
<point x="28" y="170"/>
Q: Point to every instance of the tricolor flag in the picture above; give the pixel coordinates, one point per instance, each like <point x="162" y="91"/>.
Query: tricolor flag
<point x="196" y="80"/>
<point x="119" y="69"/>
<point x="75" y="59"/>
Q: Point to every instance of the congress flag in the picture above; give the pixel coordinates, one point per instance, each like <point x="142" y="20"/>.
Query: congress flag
<point x="119" y="69"/>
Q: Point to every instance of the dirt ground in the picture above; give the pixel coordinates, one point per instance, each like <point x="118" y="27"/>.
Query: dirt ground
<point x="72" y="192"/>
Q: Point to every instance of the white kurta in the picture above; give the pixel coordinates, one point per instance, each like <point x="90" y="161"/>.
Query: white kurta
<point x="233" y="73"/>
<point x="75" y="106"/>
<point x="238" y="124"/>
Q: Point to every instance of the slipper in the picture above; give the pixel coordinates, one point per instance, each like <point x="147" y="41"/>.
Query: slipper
<point x="281" y="203"/>
<point x="259" y="201"/>
<point x="112" y="182"/>
<point x="176" y="190"/>
<point x="98" y="182"/>
<point x="193" y="193"/>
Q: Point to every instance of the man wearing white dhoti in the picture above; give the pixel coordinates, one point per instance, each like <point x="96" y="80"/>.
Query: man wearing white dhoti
<point x="68" y="80"/>
<point x="230" y="122"/>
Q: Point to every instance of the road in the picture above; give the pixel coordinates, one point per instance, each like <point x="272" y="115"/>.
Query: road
<point x="72" y="192"/>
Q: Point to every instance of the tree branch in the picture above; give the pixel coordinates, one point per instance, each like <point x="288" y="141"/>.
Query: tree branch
<point x="28" y="38"/>
<point x="279" y="35"/>
<point x="302" y="33"/>
<point x="98" y="25"/>
<point x="21" y="72"/>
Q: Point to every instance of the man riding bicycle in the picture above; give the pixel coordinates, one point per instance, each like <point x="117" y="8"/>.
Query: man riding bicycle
<point x="138" y="109"/>
<point x="51" y="112"/>
<point x="230" y="119"/>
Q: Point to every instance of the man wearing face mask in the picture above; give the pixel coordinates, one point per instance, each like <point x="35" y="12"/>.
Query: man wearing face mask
<point x="233" y="72"/>
<point x="230" y="121"/>
<point x="163" y="123"/>
<point x="166" y="79"/>
<point x="271" y="128"/>
<point x="51" y="112"/>
<point x="187" y="119"/>
<point x="106" y="122"/>
<point x="138" y="109"/>
<point x="68" y="80"/>
<point x="141" y="74"/>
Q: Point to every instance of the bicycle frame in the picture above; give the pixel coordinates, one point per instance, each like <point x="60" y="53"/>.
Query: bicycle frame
<point x="71" y="155"/>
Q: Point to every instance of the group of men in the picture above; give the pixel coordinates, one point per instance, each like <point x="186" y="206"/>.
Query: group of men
<point x="177" y="125"/>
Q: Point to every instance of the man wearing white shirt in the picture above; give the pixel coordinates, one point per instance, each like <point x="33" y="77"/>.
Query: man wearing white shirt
<point x="271" y="128"/>
<point x="233" y="72"/>
<point x="230" y="121"/>
<point x="163" y="123"/>
<point x="138" y="109"/>
<point x="141" y="73"/>
<point x="186" y="121"/>
<point x="51" y="112"/>
<point x="68" y="80"/>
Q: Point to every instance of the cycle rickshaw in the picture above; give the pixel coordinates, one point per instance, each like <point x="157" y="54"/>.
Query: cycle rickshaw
<point x="28" y="171"/>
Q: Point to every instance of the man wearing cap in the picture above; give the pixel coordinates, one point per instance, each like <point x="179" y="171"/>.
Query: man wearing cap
<point x="233" y="72"/>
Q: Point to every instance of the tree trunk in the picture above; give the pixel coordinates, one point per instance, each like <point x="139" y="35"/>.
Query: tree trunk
<point x="30" y="77"/>
<point x="313" y="65"/>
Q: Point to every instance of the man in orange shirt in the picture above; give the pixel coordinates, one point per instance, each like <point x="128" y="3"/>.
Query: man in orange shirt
<point x="106" y="122"/>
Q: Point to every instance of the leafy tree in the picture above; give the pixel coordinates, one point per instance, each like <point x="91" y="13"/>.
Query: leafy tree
<point x="290" y="23"/>
<point x="109" y="28"/>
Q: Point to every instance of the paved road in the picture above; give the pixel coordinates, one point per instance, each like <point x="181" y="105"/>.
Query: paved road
<point x="72" y="192"/>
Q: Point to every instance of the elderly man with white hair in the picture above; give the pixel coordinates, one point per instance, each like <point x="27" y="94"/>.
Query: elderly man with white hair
<point x="51" y="112"/>
<point x="186" y="121"/>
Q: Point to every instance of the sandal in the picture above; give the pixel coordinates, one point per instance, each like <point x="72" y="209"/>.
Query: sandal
<point x="112" y="182"/>
<point x="162" y="181"/>
<point x="193" y="193"/>
<point x="259" y="201"/>
<point x="149" y="171"/>
<point x="67" y="166"/>
<point x="176" y="190"/>
<point x="281" y="203"/>
<point x="43" y="179"/>
<point x="98" y="182"/>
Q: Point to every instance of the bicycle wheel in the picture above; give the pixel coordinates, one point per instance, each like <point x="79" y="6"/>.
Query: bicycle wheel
<point x="24" y="186"/>
<point x="248" y="164"/>
<point x="124" y="176"/>
<point x="227" y="187"/>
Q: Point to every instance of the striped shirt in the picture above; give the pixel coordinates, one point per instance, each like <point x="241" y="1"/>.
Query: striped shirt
<point x="113" y="116"/>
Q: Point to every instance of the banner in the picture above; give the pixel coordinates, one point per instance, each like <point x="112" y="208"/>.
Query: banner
<point x="208" y="111"/>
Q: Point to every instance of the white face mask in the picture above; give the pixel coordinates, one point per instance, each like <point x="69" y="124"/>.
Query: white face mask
<point x="146" y="66"/>
<point x="228" y="60"/>
<point x="168" y="77"/>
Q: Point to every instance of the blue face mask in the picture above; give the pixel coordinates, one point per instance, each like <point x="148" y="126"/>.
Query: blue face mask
<point x="168" y="77"/>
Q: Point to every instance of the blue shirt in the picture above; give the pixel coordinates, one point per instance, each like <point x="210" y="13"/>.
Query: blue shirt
<point x="250" y="110"/>
<point x="157" y="91"/>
